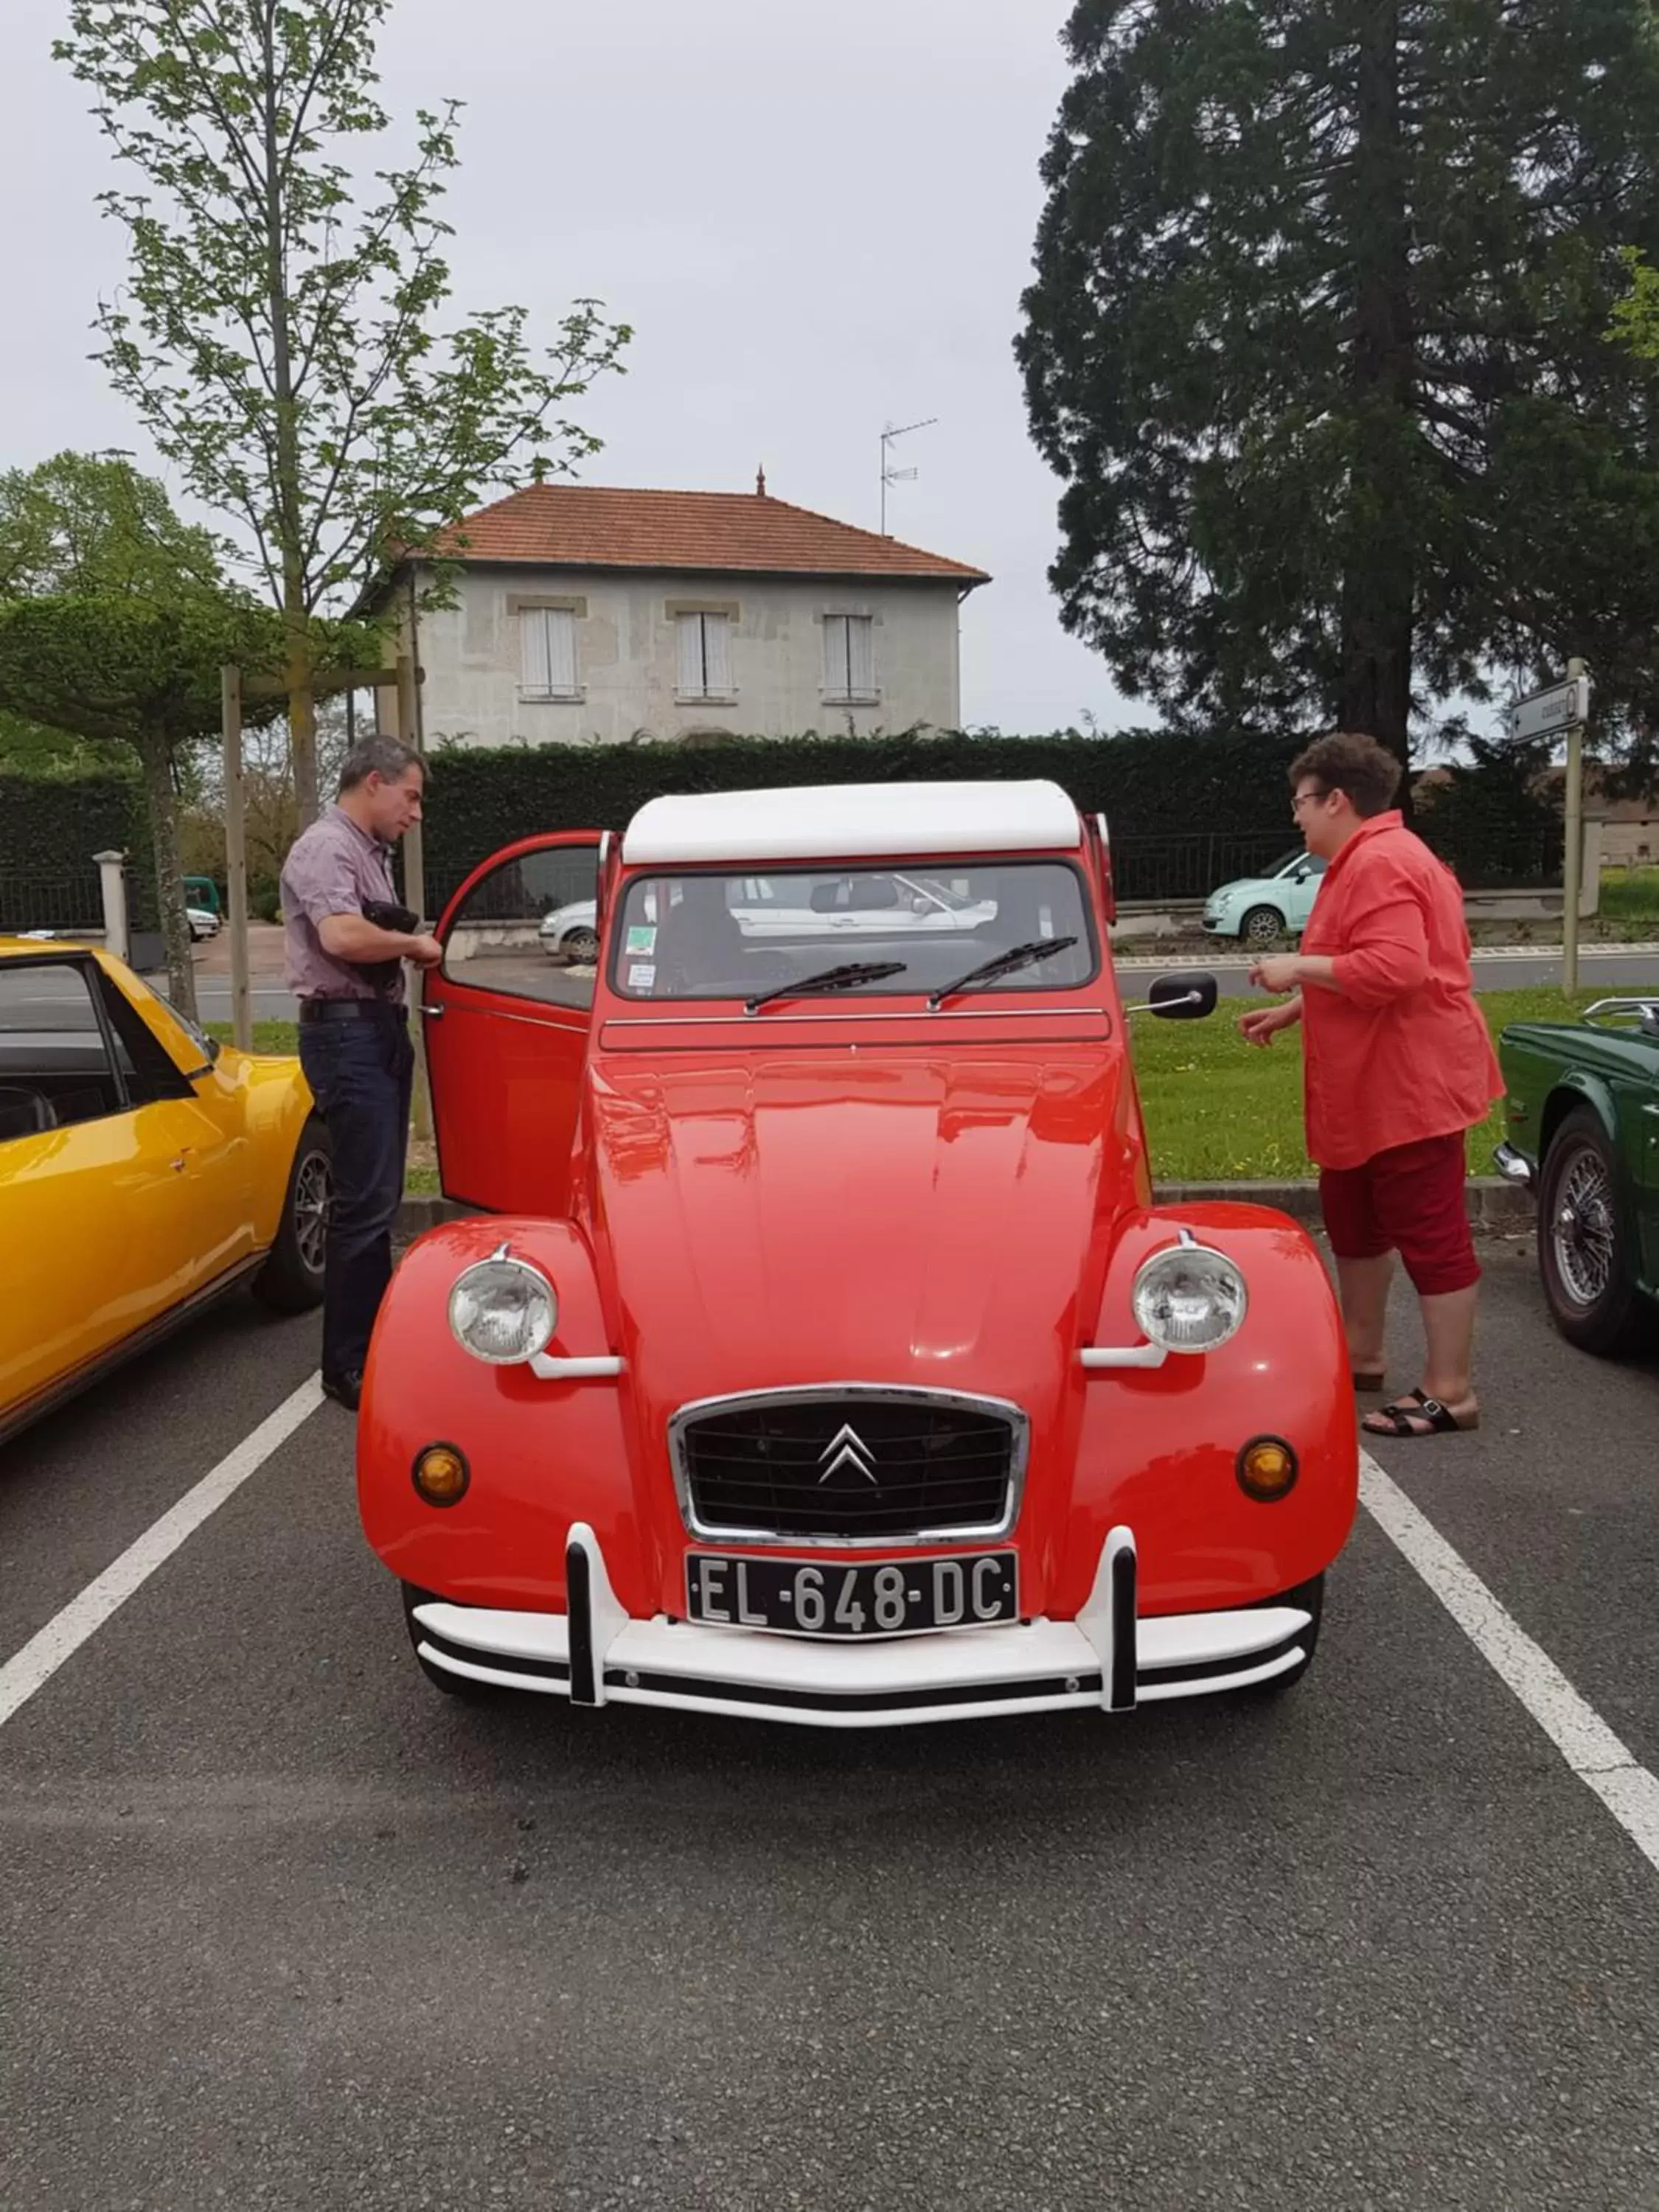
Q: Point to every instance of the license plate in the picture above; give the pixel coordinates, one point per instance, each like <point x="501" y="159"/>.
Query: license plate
<point x="899" y="1597"/>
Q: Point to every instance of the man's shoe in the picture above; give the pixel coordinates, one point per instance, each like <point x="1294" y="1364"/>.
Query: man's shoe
<point x="347" y="1388"/>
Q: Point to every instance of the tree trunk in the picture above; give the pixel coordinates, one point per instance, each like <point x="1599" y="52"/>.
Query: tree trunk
<point x="163" y="808"/>
<point x="1379" y="585"/>
<point x="290" y="510"/>
<point x="301" y="719"/>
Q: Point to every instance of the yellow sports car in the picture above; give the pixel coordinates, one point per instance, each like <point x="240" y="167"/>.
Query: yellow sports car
<point x="144" y="1171"/>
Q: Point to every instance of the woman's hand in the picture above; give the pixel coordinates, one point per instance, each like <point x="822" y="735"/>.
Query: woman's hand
<point x="1263" y="1024"/>
<point x="1282" y="971"/>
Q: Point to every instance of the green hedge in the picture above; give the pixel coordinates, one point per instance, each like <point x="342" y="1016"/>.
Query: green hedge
<point x="1221" y="800"/>
<point x="1146" y="782"/>
<point x="52" y="825"/>
<point x="1185" y="812"/>
<point x="1498" y="821"/>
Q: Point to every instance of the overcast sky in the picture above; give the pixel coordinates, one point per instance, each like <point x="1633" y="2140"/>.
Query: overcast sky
<point x="818" y="221"/>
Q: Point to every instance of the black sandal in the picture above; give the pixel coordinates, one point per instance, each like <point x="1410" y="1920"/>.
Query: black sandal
<point x="1418" y="1407"/>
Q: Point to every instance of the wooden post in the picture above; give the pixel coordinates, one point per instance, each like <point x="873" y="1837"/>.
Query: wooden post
<point x="1572" y="874"/>
<point x="241" y="997"/>
<point x="409" y="729"/>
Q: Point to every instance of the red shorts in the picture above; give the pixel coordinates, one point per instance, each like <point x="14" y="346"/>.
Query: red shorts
<point x="1409" y="1200"/>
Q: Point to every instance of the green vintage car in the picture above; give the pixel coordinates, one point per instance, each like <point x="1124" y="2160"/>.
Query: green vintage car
<point x="1582" y="1116"/>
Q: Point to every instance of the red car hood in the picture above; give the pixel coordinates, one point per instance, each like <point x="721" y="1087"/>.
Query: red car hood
<point x="903" y="1218"/>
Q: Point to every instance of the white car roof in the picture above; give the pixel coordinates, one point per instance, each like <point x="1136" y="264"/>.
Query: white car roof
<point x="848" y="821"/>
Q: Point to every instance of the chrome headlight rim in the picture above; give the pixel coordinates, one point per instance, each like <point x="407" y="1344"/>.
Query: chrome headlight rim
<point x="1187" y="1251"/>
<point x="467" y="1280"/>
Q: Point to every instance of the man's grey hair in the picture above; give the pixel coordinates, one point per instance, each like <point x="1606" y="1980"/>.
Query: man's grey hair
<point x="389" y="758"/>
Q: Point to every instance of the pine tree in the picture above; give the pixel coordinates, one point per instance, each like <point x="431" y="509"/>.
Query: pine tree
<point x="1319" y="343"/>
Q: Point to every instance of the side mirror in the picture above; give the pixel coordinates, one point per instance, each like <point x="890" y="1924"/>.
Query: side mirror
<point x="214" y="1048"/>
<point x="1181" y="997"/>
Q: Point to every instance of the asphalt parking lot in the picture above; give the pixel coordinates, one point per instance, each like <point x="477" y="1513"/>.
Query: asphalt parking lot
<point x="280" y="1926"/>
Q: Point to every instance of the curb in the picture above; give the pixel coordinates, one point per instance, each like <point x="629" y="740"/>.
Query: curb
<point x="1496" y="1208"/>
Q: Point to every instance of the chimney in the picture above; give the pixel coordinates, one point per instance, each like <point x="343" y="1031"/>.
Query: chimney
<point x="760" y="484"/>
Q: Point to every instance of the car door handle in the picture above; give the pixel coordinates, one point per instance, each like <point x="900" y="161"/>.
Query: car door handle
<point x="432" y="1013"/>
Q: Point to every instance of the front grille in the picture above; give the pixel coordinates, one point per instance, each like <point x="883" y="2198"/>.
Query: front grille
<point x="849" y="1467"/>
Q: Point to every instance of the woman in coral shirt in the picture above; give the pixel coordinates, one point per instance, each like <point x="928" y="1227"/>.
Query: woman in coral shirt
<point x="1399" y="1067"/>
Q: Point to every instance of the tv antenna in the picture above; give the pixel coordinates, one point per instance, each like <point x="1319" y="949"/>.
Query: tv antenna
<point x="890" y="475"/>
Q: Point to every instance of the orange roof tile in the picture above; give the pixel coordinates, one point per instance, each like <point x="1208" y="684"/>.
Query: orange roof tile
<point x="583" y="526"/>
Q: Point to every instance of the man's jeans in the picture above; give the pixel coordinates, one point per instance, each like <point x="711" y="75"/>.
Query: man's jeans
<point x="361" y="1073"/>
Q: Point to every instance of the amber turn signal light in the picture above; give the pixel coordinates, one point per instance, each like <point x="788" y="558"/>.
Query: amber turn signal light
<point x="1267" y="1470"/>
<point x="442" y="1474"/>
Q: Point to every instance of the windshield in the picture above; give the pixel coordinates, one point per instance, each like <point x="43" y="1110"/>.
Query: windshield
<point x="715" y="935"/>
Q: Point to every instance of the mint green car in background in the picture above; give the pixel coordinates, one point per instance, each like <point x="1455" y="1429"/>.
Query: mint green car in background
<point x="1258" y="910"/>
<point x="1581" y="1115"/>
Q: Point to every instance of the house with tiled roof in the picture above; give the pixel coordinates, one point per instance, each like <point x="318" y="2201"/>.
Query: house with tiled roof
<point x="584" y="615"/>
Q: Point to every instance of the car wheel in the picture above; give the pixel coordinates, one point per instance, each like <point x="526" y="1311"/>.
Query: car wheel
<point x="1261" y="925"/>
<point x="580" y="946"/>
<point x="1584" y="1258"/>
<point x="1311" y="1597"/>
<point x="451" y="1686"/>
<point x="291" y="1280"/>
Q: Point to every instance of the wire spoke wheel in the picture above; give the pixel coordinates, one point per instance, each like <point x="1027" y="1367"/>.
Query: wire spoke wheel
<point x="1583" y="1229"/>
<point x="1585" y="1257"/>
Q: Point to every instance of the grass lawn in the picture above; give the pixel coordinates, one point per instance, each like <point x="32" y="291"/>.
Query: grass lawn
<point x="1630" y="894"/>
<point x="1217" y="1111"/>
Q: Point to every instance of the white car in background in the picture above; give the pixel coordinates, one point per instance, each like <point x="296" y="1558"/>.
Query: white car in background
<point x="571" y="932"/>
<point x="888" y="904"/>
<point x="203" y="923"/>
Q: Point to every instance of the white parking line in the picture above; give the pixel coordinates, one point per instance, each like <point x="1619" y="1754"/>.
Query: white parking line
<point x="1601" y="1762"/>
<point x="26" y="1670"/>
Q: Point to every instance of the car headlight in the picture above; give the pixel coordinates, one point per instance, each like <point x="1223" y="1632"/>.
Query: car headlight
<point x="503" y="1311"/>
<point x="1189" y="1298"/>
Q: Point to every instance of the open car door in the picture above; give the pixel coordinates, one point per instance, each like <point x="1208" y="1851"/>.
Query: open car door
<point x="506" y="1020"/>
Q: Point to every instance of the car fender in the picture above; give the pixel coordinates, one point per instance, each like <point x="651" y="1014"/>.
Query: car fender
<point x="1159" y="1447"/>
<point x="276" y="1103"/>
<point x="1573" y="1087"/>
<point x="519" y="1433"/>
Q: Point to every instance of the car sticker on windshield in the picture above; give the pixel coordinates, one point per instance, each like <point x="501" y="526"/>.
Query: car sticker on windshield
<point x="641" y="977"/>
<point x="641" y="940"/>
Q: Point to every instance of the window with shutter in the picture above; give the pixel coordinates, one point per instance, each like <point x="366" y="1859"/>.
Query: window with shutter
<point x="860" y="657"/>
<point x="705" y="656"/>
<point x="548" y="654"/>
<point x="849" y="657"/>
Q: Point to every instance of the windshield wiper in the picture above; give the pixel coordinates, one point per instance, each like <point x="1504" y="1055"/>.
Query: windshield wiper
<point x="832" y="979"/>
<point x="1019" y="956"/>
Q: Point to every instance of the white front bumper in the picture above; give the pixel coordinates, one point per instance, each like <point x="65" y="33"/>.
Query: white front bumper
<point x="1109" y="1659"/>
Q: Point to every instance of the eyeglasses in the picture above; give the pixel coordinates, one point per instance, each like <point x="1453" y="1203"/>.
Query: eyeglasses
<point x="1306" y="799"/>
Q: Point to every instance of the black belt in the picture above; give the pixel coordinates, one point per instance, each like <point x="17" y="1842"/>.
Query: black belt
<point x="349" y="1009"/>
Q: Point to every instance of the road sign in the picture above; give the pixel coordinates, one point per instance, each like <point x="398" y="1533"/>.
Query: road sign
<point x="1546" y="714"/>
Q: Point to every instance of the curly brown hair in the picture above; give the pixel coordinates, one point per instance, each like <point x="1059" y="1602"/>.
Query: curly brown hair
<point x="1367" y="773"/>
